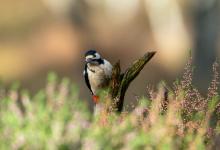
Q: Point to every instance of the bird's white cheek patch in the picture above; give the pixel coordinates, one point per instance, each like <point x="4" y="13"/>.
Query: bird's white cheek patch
<point x="89" y="57"/>
<point x="97" y="56"/>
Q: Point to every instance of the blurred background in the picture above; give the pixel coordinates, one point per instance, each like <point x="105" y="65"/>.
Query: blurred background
<point x="38" y="36"/>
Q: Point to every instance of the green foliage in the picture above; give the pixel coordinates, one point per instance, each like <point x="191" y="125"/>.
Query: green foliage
<point x="55" y="118"/>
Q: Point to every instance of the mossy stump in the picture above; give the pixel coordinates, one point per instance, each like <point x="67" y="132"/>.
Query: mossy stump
<point x="121" y="81"/>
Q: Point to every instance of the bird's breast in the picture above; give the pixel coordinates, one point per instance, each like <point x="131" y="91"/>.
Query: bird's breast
<point x="97" y="78"/>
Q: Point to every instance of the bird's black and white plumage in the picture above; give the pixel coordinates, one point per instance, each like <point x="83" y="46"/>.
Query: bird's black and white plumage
<point x="97" y="72"/>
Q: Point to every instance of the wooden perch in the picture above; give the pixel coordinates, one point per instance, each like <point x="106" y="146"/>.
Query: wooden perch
<point x="120" y="82"/>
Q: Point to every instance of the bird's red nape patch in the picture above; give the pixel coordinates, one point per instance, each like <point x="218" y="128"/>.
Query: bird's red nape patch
<point x="95" y="99"/>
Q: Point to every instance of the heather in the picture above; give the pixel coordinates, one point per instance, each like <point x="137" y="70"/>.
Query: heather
<point x="173" y="116"/>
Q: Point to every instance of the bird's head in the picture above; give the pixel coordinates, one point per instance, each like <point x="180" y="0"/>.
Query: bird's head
<point x="92" y="57"/>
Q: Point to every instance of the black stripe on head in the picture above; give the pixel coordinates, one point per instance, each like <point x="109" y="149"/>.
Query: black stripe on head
<point x="90" y="52"/>
<point x="100" y="61"/>
<point x="97" y="61"/>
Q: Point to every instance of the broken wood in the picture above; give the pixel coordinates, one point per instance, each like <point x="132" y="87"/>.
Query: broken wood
<point x="121" y="81"/>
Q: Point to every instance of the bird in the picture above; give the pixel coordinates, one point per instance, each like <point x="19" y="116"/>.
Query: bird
<point x="97" y="73"/>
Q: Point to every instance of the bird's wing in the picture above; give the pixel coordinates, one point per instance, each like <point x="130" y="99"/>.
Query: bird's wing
<point x="85" y="74"/>
<point x="107" y="68"/>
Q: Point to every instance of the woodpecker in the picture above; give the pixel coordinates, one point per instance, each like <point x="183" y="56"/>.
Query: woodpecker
<point x="97" y="73"/>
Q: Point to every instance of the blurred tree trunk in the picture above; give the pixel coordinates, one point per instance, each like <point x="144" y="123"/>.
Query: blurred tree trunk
<point x="207" y="23"/>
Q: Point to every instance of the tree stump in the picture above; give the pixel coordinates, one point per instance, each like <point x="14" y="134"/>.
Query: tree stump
<point x="121" y="81"/>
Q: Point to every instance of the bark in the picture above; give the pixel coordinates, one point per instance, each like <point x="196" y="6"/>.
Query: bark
<point x="121" y="81"/>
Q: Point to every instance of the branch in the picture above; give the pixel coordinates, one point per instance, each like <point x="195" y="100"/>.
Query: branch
<point x="120" y="82"/>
